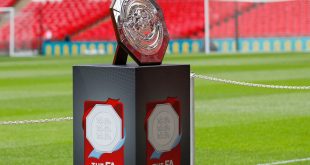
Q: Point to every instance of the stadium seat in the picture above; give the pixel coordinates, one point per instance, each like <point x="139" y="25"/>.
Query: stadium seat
<point x="86" y="20"/>
<point x="7" y="3"/>
<point x="188" y="13"/>
<point x="290" y="18"/>
<point x="61" y="18"/>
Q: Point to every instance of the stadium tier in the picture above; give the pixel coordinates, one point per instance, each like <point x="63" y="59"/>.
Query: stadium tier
<point x="7" y="3"/>
<point x="285" y="19"/>
<point x="173" y="15"/>
<point x="291" y="19"/>
<point x="85" y="20"/>
<point x="185" y="19"/>
<point x="102" y="31"/>
<point x="61" y="18"/>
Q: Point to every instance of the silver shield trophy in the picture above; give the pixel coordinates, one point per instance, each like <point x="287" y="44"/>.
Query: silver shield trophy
<point x="140" y="30"/>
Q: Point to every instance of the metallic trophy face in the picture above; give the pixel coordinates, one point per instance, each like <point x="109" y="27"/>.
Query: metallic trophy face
<point x="140" y="29"/>
<point x="103" y="128"/>
<point x="163" y="127"/>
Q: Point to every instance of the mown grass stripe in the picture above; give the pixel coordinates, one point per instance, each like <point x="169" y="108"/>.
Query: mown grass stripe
<point x="235" y="125"/>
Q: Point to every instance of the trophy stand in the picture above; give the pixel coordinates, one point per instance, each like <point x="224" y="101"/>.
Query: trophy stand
<point x="128" y="114"/>
<point x="121" y="56"/>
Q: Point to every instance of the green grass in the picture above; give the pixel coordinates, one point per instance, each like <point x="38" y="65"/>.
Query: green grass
<point x="234" y="125"/>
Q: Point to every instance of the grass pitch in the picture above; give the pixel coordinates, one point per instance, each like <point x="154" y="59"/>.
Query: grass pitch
<point x="234" y="125"/>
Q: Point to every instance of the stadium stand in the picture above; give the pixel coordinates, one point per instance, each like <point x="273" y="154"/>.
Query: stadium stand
<point x="7" y="3"/>
<point x="85" y="20"/>
<point x="191" y="18"/>
<point x="61" y="18"/>
<point x="100" y="32"/>
<point x="283" y="19"/>
<point x="290" y="19"/>
<point x="173" y="18"/>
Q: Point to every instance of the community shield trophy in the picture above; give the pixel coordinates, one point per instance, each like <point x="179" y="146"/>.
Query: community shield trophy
<point x="133" y="114"/>
<point x="140" y="30"/>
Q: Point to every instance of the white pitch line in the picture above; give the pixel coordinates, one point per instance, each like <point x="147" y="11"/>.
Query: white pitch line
<point x="287" y="161"/>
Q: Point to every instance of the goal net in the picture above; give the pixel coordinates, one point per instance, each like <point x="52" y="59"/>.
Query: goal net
<point x="7" y="31"/>
<point x="27" y="33"/>
<point x="17" y="31"/>
<point x="257" y="25"/>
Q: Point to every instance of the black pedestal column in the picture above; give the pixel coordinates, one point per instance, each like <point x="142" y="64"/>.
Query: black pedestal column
<point x="136" y="88"/>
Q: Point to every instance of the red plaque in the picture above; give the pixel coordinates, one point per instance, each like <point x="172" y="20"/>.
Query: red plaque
<point x="163" y="132"/>
<point x="104" y="135"/>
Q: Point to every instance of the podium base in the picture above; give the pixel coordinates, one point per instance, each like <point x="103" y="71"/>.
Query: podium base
<point x="134" y="86"/>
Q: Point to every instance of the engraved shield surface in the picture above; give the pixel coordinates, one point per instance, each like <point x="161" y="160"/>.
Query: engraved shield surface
<point x="163" y="127"/>
<point x="103" y="128"/>
<point x="140" y="29"/>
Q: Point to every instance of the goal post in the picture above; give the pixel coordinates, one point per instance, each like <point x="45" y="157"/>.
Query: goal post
<point x="8" y="45"/>
<point x="207" y="27"/>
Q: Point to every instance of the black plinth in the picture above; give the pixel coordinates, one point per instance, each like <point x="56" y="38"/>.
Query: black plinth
<point x="135" y="86"/>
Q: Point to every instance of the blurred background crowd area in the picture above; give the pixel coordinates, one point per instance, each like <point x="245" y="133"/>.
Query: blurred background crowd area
<point x="231" y="25"/>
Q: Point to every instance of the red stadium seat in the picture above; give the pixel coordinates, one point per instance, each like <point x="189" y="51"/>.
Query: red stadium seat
<point x="86" y="20"/>
<point x="61" y="18"/>
<point x="184" y="18"/>
<point x="7" y="3"/>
